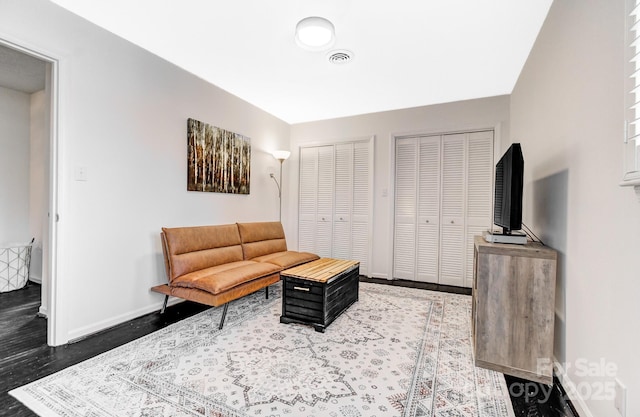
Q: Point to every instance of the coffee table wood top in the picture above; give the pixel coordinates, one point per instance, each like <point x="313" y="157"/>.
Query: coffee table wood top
<point x="320" y="270"/>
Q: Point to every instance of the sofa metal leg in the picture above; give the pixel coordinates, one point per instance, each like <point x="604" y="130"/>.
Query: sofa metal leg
<point x="164" y="305"/>
<point x="266" y="292"/>
<point x="224" y="314"/>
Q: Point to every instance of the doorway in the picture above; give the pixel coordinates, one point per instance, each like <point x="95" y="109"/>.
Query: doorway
<point x="28" y="145"/>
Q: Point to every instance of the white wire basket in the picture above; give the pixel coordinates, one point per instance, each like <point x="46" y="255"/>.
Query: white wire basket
<point x="14" y="266"/>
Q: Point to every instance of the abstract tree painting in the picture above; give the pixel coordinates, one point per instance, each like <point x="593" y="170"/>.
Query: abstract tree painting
<point x="219" y="161"/>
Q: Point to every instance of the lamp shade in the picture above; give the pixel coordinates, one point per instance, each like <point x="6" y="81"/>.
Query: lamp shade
<point x="281" y="155"/>
<point x="315" y="33"/>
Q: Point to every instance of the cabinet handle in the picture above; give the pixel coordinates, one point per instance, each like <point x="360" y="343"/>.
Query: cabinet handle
<point x="427" y="221"/>
<point x="301" y="289"/>
<point x="341" y="218"/>
<point x="452" y="221"/>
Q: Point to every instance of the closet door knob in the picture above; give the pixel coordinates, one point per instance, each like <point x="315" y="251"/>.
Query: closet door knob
<point x="452" y="222"/>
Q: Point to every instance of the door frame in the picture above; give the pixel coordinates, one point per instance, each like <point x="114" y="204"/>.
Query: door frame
<point x="50" y="306"/>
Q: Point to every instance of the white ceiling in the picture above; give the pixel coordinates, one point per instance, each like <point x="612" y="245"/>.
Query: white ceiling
<point x="408" y="53"/>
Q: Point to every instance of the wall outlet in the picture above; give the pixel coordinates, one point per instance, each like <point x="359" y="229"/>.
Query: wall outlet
<point x="620" y="400"/>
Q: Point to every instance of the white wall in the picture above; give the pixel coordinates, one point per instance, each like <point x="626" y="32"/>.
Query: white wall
<point x="38" y="179"/>
<point x="23" y="160"/>
<point x="14" y="166"/>
<point x="123" y="117"/>
<point x="567" y="111"/>
<point x="490" y="112"/>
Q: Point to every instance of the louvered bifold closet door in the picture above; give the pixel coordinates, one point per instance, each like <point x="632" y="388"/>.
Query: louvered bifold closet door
<point x="335" y="200"/>
<point x="428" y="240"/>
<point x="343" y="201"/>
<point x="308" y="200"/>
<point x="479" y="193"/>
<point x="452" y="230"/>
<point x="361" y="205"/>
<point x="324" y="218"/>
<point x="404" y="240"/>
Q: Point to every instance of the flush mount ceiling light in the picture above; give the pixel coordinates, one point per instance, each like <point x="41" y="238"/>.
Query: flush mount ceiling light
<point x="315" y="33"/>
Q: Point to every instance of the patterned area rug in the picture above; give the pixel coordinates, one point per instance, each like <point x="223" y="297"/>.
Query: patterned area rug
<point x="395" y="352"/>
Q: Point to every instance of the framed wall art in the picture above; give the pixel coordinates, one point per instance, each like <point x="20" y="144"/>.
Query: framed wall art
<point x="218" y="161"/>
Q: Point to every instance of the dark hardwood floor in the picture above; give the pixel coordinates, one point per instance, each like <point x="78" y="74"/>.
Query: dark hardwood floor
<point x="25" y="356"/>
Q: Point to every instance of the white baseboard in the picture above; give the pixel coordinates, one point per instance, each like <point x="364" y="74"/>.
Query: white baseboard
<point x="570" y="388"/>
<point x="42" y="311"/>
<point x="36" y="279"/>
<point x="82" y="332"/>
<point x="380" y="275"/>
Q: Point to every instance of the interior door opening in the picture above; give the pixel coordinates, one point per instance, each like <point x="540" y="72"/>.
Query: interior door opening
<point x="28" y="89"/>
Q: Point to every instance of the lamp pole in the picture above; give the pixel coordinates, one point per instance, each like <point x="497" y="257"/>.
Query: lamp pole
<point x="280" y="192"/>
<point x="280" y="156"/>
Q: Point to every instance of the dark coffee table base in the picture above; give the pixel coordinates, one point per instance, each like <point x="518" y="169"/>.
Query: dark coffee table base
<point x="318" y="303"/>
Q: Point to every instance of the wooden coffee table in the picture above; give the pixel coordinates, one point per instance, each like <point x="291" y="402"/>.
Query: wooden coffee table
<point x="319" y="291"/>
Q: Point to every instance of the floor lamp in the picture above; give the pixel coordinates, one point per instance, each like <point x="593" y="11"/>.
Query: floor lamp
<point x="280" y="156"/>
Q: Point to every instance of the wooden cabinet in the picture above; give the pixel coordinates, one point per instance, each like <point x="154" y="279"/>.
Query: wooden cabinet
<point x="318" y="292"/>
<point x="513" y="309"/>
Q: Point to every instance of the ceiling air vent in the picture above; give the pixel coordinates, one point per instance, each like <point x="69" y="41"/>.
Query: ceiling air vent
<point x="340" y="57"/>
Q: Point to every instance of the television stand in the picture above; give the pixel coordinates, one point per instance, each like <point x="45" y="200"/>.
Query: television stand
<point x="517" y="238"/>
<point x="513" y="309"/>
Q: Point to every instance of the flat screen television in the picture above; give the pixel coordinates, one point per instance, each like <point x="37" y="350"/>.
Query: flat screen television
<point x="507" y="204"/>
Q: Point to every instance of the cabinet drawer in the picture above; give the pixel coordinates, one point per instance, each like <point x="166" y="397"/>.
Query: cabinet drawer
<point x="302" y="295"/>
<point x="295" y="286"/>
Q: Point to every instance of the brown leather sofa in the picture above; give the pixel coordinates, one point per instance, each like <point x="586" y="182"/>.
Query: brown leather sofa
<point x="213" y="265"/>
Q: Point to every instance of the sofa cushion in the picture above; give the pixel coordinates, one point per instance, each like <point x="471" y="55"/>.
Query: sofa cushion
<point x="287" y="259"/>
<point x="190" y="249"/>
<point x="261" y="238"/>
<point x="220" y="278"/>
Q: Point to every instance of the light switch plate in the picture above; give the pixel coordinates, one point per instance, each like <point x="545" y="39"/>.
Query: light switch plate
<point x="80" y="173"/>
